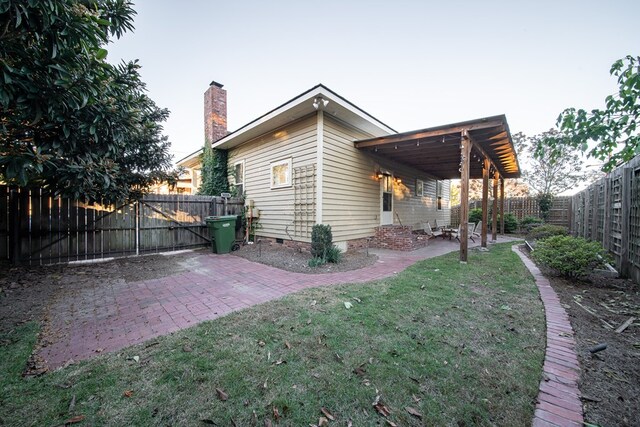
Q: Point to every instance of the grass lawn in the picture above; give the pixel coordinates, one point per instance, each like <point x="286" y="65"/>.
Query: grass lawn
<point x="459" y="344"/>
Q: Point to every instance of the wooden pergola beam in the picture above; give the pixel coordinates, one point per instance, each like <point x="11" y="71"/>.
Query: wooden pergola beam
<point x="485" y="201"/>
<point x="465" y="153"/>
<point x="394" y="139"/>
<point x="494" y="216"/>
<point x="502" y="206"/>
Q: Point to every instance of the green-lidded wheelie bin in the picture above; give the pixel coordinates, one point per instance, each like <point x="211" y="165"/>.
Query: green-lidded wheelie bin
<point x="222" y="230"/>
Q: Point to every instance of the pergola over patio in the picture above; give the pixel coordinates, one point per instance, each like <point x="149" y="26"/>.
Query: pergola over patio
<point x="474" y="149"/>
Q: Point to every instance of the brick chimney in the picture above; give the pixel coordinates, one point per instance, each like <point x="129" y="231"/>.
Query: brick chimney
<point x="215" y="113"/>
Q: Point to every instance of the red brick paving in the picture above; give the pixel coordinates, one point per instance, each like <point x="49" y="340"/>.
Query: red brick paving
<point x="558" y="402"/>
<point x="113" y="315"/>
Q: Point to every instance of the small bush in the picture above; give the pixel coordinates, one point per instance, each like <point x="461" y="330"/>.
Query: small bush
<point x="316" y="262"/>
<point x="569" y="256"/>
<point x="321" y="240"/>
<point x="542" y="232"/>
<point x="530" y="222"/>
<point x="510" y="223"/>
<point x="475" y="215"/>
<point x="322" y="248"/>
<point x="334" y="255"/>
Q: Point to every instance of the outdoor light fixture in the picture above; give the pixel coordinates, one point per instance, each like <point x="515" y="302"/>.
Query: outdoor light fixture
<point x="320" y="103"/>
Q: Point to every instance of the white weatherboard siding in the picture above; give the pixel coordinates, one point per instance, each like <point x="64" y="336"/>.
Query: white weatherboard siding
<point x="351" y="194"/>
<point x="297" y="141"/>
<point x="412" y="209"/>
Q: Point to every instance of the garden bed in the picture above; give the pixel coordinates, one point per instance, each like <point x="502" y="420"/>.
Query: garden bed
<point x="285" y="258"/>
<point x="610" y="379"/>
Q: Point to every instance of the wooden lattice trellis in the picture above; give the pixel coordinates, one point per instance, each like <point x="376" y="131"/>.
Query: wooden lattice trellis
<point x="304" y="203"/>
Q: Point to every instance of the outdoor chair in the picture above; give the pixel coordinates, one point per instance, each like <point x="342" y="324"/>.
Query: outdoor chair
<point x="477" y="230"/>
<point x="457" y="233"/>
<point x="436" y="226"/>
<point x="429" y="231"/>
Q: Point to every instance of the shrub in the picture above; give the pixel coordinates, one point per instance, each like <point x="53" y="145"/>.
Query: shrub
<point x="530" y="222"/>
<point x="475" y="215"/>
<point x="510" y="223"/>
<point x="542" y="232"/>
<point x="321" y="240"/>
<point x="316" y="262"/>
<point x="322" y="248"/>
<point x="569" y="256"/>
<point x="334" y="254"/>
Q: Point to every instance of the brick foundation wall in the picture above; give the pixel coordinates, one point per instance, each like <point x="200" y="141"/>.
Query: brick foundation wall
<point x="398" y="238"/>
<point x="301" y="246"/>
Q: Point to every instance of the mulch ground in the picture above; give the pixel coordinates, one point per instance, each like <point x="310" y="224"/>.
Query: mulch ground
<point x="290" y="259"/>
<point x="610" y="379"/>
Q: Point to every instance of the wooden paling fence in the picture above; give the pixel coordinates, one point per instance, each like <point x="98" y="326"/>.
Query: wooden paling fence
<point x="522" y="207"/>
<point x="609" y="212"/>
<point x="38" y="228"/>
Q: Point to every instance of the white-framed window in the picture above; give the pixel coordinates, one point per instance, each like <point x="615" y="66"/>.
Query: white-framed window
<point x="419" y="188"/>
<point x="281" y="173"/>
<point x="238" y="177"/>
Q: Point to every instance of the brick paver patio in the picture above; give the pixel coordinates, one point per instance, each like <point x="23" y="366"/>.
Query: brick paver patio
<point x="113" y="315"/>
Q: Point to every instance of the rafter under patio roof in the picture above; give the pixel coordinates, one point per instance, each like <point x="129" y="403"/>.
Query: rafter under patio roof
<point x="436" y="150"/>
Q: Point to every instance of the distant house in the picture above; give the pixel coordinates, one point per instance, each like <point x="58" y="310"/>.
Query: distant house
<point x="320" y="159"/>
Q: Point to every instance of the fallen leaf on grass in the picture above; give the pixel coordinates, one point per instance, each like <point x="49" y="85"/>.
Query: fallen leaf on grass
<point x="136" y="359"/>
<point x="347" y="305"/>
<point x="382" y="409"/>
<point x="187" y="349"/>
<point x="413" y="412"/>
<point x="72" y="404"/>
<point x="74" y="420"/>
<point x="391" y="423"/>
<point x="128" y="393"/>
<point x="349" y="423"/>
<point x="356" y="299"/>
<point x="261" y="343"/>
<point x="326" y="413"/>
<point x="276" y="413"/>
<point x="359" y="371"/>
<point x="314" y="302"/>
<point x="415" y="398"/>
<point x="323" y="422"/>
<point x="279" y="362"/>
<point x="287" y="345"/>
<point x="221" y="394"/>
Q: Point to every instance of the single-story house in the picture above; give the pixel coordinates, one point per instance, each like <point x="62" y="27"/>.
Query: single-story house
<point x="320" y="159"/>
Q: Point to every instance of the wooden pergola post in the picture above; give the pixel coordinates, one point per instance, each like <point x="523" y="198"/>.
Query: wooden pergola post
<point x="494" y="216"/>
<point x="465" y="153"/>
<point x="502" y="206"/>
<point x="485" y="201"/>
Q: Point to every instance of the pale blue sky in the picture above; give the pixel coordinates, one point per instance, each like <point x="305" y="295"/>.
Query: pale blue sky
<point x="411" y="64"/>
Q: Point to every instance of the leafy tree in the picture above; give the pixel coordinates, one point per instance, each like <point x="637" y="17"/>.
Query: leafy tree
<point x="512" y="188"/>
<point x="550" y="174"/>
<point x="614" y="128"/>
<point x="70" y="121"/>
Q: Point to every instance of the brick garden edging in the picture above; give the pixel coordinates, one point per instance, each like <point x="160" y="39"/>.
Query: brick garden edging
<point x="558" y="402"/>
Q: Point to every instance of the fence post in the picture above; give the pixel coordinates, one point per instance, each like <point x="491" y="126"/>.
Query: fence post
<point x="137" y="212"/>
<point x="625" y="217"/>
<point x="14" y="225"/>
<point x="606" y="222"/>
